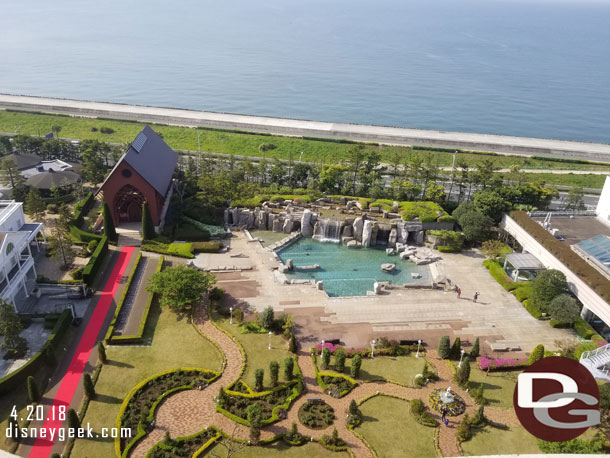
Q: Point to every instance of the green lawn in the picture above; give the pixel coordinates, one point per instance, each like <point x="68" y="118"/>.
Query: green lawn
<point x="258" y="355"/>
<point x="399" y="369"/>
<point x="175" y="344"/>
<point x="279" y="449"/>
<point x="568" y="179"/>
<point x="499" y="386"/>
<point x="391" y="430"/>
<point x="494" y="441"/>
<point x="227" y="142"/>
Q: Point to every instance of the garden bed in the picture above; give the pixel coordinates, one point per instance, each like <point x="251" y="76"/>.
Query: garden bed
<point x="336" y="385"/>
<point x="455" y="408"/>
<point x="139" y="406"/>
<point x="186" y="446"/>
<point x="316" y="415"/>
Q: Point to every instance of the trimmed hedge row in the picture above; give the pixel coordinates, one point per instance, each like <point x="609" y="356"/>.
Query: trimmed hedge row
<point x="78" y="235"/>
<point x="81" y="208"/>
<point x="19" y="376"/>
<point x="496" y="271"/>
<point x="564" y="253"/>
<point x="532" y="309"/>
<point x="96" y="260"/>
<point x="181" y="250"/>
<point x="119" y="306"/>
<point x="151" y="415"/>
<point x="200" y="452"/>
<point x="323" y="385"/>
<point x="136" y="338"/>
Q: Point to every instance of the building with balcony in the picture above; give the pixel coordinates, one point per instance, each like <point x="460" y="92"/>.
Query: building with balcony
<point x="17" y="240"/>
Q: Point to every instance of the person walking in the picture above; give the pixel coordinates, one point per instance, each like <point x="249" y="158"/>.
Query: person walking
<point x="459" y="293"/>
<point x="476" y="296"/>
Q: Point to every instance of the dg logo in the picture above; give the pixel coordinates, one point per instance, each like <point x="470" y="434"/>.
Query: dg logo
<point x="556" y="399"/>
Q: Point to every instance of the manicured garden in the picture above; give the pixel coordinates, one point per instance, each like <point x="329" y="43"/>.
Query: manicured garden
<point x="498" y="385"/>
<point x="316" y="415"/>
<point x="279" y="450"/>
<point x="493" y="441"/>
<point x="389" y="427"/>
<point x="175" y="343"/>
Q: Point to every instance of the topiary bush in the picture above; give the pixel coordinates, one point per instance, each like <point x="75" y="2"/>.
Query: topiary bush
<point x="444" y="347"/>
<point x="536" y="355"/>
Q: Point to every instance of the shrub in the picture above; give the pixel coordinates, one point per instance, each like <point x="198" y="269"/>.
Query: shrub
<point x="325" y="358"/>
<point x="417" y="407"/>
<point x="206" y="247"/>
<point x="106" y="130"/>
<point x="148" y="227"/>
<point x="53" y="208"/>
<point x="274" y="369"/>
<point x="215" y="293"/>
<point x="536" y="355"/>
<point x="339" y="360"/>
<point x="479" y="418"/>
<point x="496" y="271"/>
<point x="33" y="392"/>
<point x="583" y="329"/>
<point x="474" y="353"/>
<point x="92" y="245"/>
<point x="94" y="129"/>
<point x="267" y="318"/>
<point x="532" y="309"/>
<point x="354" y="410"/>
<point x="288" y="368"/>
<point x="523" y="292"/>
<point x="355" y="367"/>
<point x="464" y="432"/>
<point x="77" y="274"/>
<point x="88" y="386"/>
<point x="292" y="344"/>
<point x="259" y="375"/>
<point x="101" y="352"/>
<point x="547" y="286"/>
<point x="456" y="348"/>
<point x="463" y="373"/>
<point x="479" y="395"/>
<point x="73" y="421"/>
<point x="444" y="348"/>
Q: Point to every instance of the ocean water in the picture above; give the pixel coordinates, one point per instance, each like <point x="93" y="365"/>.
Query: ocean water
<point x="348" y="271"/>
<point x="537" y="68"/>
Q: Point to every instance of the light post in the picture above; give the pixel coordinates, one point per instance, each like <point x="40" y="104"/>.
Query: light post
<point x="373" y="348"/>
<point x="231" y="317"/>
<point x="461" y="357"/>
<point x="418" y="344"/>
<point x="269" y="340"/>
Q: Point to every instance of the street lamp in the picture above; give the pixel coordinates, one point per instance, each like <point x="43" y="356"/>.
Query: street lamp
<point x="373" y="348"/>
<point x="231" y="317"/>
<point x="269" y="340"/>
<point x="418" y="344"/>
<point x="461" y="357"/>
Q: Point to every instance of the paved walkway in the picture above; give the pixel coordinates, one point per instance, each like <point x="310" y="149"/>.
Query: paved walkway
<point x="65" y="392"/>
<point x="191" y="411"/>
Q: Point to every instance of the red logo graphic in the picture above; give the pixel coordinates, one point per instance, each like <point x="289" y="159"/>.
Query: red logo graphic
<point x="556" y="399"/>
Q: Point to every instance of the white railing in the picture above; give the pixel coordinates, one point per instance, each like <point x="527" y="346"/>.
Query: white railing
<point x="597" y="351"/>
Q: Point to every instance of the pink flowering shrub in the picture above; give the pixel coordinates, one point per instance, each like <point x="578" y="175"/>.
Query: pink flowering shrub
<point x="500" y="363"/>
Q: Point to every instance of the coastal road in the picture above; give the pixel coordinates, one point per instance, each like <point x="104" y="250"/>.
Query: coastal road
<point x="304" y="128"/>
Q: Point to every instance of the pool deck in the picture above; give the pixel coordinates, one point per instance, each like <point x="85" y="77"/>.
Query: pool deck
<point x="497" y="318"/>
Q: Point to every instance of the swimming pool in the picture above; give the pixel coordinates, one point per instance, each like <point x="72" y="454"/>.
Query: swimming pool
<point x="348" y="271"/>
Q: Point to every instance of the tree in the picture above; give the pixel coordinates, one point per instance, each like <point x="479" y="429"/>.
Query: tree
<point x="604" y="397"/>
<point x="148" y="227"/>
<point x="10" y="329"/>
<point x="325" y="358"/>
<point x="109" y="230"/>
<point x="475" y="349"/>
<point x="267" y="318"/>
<point x="491" y="204"/>
<point x="60" y="241"/>
<point x="93" y="160"/>
<point x="456" y="348"/>
<point x="564" y="308"/>
<point x="479" y="395"/>
<point x="223" y="397"/>
<point x="463" y="372"/>
<point x="475" y="225"/>
<point x="339" y="360"/>
<point x="274" y="369"/>
<point x="101" y="352"/>
<point x="35" y="205"/>
<point x="353" y="408"/>
<point x="56" y="130"/>
<point x="464" y="432"/>
<point x="33" y="392"/>
<point x="547" y="286"/>
<point x="259" y="375"/>
<point x="536" y="355"/>
<point x="575" y="199"/>
<point x="444" y="347"/>
<point x="493" y="249"/>
<point x="179" y="287"/>
<point x="479" y="418"/>
<point x="288" y="368"/>
<point x="73" y="421"/>
<point x="354" y="370"/>
<point x="292" y="344"/>
<point x="254" y="414"/>
<point x="88" y="386"/>
<point x="12" y="176"/>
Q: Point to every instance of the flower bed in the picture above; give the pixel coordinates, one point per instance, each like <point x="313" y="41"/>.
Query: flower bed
<point x="240" y="387"/>
<point x="455" y="408"/>
<point x="501" y="363"/>
<point x="336" y="386"/>
<point x="138" y="409"/>
<point x="194" y="445"/>
<point x="316" y="415"/>
<point x="274" y="403"/>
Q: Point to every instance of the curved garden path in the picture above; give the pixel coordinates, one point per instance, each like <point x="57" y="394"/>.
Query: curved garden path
<point x="191" y="411"/>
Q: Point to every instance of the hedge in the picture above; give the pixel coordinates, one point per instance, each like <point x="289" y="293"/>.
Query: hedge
<point x="81" y="208"/>
<point x="151" y="415"/>
<point x="523" y="292"/>
<point x="19" y="376"/>
<point x="96" y="260"/>
<point x="591" y="276"/>
<point x="206" y="247"/>
<point x="496" y="271"/>
<point x="583" y="329"/>
<point x="532" y="309"/>
<point x="137" y="338"/>
<point x="200" y="452"/>
<point x="119" y="306"/>
<point x="58" y="200"/>
<point x="78" y="235"/>
<point x="181" y="250"/>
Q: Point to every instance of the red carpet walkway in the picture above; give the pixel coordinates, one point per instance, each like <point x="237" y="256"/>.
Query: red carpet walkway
<point x="42" y="447"/>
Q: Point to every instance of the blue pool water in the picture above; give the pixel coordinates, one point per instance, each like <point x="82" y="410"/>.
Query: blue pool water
<point x="347" y="271"/>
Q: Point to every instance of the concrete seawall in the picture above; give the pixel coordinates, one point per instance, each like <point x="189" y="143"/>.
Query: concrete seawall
<point x="294" y="127"/>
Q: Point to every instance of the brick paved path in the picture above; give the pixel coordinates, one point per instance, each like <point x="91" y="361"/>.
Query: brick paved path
<point x="191" y="411"/>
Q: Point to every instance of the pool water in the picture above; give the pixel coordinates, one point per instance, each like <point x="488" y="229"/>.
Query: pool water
<point x="348" y="271"/>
